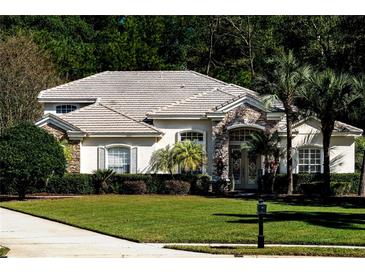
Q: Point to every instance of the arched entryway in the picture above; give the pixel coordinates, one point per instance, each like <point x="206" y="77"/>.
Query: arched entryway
<point x="244" y="166"/>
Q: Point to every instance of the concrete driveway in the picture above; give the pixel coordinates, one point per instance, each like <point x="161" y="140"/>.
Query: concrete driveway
<point x="29" y="236"/>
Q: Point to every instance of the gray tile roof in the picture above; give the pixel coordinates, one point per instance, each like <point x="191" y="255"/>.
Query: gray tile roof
<point x="136" y="93"/>
<point x="100" y="119"/>
<point x="340" y="127"/>
<point x="198" y="104"/>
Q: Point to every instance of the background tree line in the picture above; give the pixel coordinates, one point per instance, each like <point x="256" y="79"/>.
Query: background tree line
<point x="231" y="48"/>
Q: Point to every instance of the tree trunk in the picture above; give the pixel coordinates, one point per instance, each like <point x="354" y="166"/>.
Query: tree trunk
<point x="250" y="48"/>
<point x="21" y="189"/>
<point x="274" y="177"/>
<point x="362" y="177"/>
<point x="327" y="132"/>
<point x="213" y="27"/>
<point x="289" y="157"/>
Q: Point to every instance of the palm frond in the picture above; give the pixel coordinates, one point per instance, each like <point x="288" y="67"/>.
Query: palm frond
<point x="189" y="155"/>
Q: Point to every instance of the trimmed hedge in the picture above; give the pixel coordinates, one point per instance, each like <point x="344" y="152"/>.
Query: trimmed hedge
<point x="83" y="184"/>
<point x="67" y="184"/>
<point x="133" y="187"/>
<point x="156" y="183"/>
<point x="70" y="184"/>
<point x="177" y="187"/>
<point x="341" y="183"/>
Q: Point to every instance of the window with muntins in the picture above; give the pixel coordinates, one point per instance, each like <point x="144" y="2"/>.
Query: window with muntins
<point x="309" y="160"/>
<point x="198" y="137"/>
<point x="65" y="108"/>
<point x="240" y="134"/>
<point x="119" y="159"/>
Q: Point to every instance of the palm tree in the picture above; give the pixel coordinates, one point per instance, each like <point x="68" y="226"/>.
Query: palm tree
<point x="359" y="86"/>
<point x="101" y="179"/>
<point x="163" y="160"/>
<point x="284" y="84"/>
<point x="329" y="96"/>
<point x="267" y="145"/>
<point x="189" y="155"/>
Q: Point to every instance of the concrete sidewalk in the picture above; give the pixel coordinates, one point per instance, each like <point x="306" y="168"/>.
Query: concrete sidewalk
<point x="29" y="236"/>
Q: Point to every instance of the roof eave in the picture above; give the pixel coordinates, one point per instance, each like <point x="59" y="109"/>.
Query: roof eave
<point x="57" y="121"/>
<point x="247" y="98"/>
<point x="176" y="116"/>
<point x="100" y="134"/>
<point x="334" y="133"/>
<point x="66" y="100"/>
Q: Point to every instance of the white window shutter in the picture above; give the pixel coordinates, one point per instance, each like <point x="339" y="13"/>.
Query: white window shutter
<point x="134" y="160"/>
<point x="101" y="158"/>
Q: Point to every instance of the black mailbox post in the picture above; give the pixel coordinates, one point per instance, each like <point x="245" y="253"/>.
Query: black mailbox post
<point x="261" y="211"/>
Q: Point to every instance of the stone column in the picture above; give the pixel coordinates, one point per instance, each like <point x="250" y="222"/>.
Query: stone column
<point x="73" y="165"/>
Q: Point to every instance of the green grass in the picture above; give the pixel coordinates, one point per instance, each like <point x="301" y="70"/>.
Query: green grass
<point x="194" y="219"/>
<point x="274" y="251"/>
<point x="3" y="251"/>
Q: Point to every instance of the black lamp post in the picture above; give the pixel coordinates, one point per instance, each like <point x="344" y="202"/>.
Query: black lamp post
<point x="261" y="211"/>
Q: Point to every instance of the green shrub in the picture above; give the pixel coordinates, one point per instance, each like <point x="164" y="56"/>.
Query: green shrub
<point x="70" y="184"/>
<point x="155" y="183"/>
<point x="133" y="187"/>
<point x="152" y="183"/>
<point x="312" y="188"/>
<point x="101" y="179"/>
<point x="202" y="185"/>
<point x="84" y="183"/>
<point x="341" y="188"/>
<point x="29" y="156"/>
<point x="350" y="179"/>
<point x="220" y="186"/>
<point x="177" y="187"/>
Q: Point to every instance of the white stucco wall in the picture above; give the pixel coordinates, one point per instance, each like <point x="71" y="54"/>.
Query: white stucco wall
<point x="171" y="128"/>
<point x="145" y="146"/>
<point x="342" y="150"/>
<point x="308" y="134"/>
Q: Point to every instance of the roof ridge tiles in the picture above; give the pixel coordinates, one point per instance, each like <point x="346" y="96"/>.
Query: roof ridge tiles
<point x="182" y="100"/>
<point x="208" y="77"/>
<point x="226" y="92"/>
<point x="245" y="89"/>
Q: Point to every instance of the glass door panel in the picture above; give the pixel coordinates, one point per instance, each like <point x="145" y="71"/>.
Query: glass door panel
<point x="236" y="166"/>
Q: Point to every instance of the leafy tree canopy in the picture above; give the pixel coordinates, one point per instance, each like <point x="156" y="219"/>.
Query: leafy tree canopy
<point x="29" y="156"/>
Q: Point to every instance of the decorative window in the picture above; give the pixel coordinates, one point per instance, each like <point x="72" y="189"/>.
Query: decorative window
<point x="119" y="159"/>
<point x="65" y="108"/>
<point x="198" y="137"/>
<point x="240" y="134"/>
<point x="309" y="160"/>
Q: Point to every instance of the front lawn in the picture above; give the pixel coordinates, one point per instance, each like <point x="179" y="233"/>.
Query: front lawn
<point x="179" y="219"/>
<point x="274" y="251"/>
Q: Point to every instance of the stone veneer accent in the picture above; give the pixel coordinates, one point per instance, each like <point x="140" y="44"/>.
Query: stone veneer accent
<point x="73" y="166"/>
<point x="241" y="115"/>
